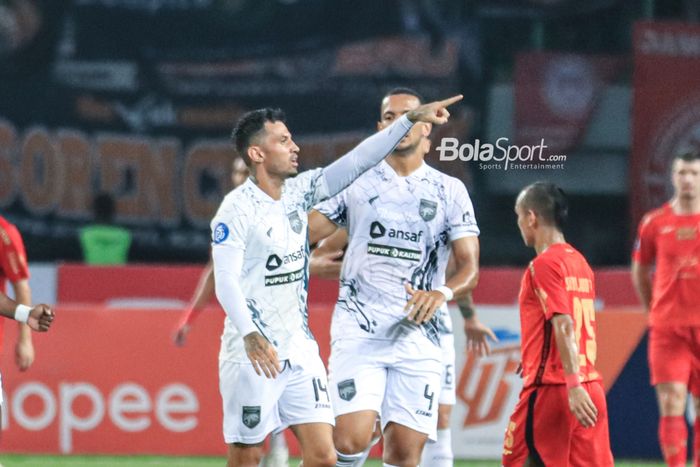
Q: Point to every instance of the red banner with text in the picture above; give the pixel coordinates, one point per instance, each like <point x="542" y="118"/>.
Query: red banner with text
<point x="555" y="95"/>
<point x="666" y="115"/>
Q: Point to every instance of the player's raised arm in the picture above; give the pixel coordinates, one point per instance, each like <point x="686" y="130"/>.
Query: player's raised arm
<point x="372" y="150"/>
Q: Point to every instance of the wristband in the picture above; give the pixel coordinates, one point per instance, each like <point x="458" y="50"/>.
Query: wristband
<point x="572" y="381"/>
<point x="446" y="291"/>
<point x="22" y="313"/>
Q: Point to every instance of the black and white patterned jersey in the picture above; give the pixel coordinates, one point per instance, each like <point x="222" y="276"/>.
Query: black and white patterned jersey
<point x="400" y="230"/>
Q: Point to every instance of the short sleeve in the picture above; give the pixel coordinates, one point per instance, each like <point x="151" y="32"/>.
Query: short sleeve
<point x="644" y="250"/>
<point x="461" y="220"/>
<point x="335" y="209"/>
<point x="550" y="287"/>
<point x="308" y="187"/>
<point x="13" y="258"/>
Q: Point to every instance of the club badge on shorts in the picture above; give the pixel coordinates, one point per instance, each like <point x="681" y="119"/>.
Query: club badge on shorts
<point x="251" y="415"/>
<point x="427" y="209"/>
<point x="346" y="389"/>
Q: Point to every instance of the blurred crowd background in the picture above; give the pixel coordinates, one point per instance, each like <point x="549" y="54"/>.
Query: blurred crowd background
<point x="136" y="99"/>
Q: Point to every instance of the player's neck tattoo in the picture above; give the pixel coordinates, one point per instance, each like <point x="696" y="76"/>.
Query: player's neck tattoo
<point x="254" y="179"/>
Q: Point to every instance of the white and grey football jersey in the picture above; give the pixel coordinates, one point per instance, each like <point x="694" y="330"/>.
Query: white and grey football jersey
<point x="400" y="230"/>
<point x="274" y="276"/>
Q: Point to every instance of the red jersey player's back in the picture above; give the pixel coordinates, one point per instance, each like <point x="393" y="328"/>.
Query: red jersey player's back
<point x="671" y="241"/>
<point x="558" y="281"/>
<point x="13" y="259"/>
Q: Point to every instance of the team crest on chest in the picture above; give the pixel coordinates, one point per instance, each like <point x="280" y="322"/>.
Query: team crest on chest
<point x="427" y="209"/>
<point x="295" y="221"/>
<point x="686" y="233"/>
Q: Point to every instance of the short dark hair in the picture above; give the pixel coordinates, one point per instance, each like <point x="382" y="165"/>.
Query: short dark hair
<point x="404" y="90"/>
<point x="548" y="201"/>
<point x="250" y="124"/>
<point x="688" y="156"/>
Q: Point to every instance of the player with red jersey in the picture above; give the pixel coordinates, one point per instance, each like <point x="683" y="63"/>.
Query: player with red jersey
<point x="668" y="239"/>
<point x="13" y="268"/>
<point x="561" y="417"/>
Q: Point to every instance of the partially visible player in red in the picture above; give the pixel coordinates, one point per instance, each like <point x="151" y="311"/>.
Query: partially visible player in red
<point x="13" y="268"/>
<point x="561" y="418"/>
<point x="669" y="239"/>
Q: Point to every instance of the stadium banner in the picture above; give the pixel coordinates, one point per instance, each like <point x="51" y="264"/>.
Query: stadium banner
<point x="666" y="109"/>
<point x="160" y="146"/>
<point x="556" y="94"/>
<point x="110" y="381"/>
<point x="108" y="378"/>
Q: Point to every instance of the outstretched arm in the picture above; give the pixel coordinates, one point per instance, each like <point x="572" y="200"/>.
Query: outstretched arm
<point x="372" y="150"/>
<point x="580" y="402"/>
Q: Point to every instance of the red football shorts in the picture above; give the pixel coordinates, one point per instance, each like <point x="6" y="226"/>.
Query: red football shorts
<point x="674" y="353"/>
<point x="543" y="428"/>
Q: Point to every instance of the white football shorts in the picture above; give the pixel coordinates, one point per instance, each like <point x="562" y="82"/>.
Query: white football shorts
<point x="398" y="379"/>
<point x="255" y="406"/>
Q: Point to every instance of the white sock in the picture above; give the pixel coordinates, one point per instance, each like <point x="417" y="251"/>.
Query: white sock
<point x="365" y="454"/>
<point x="439" y="453"/>
<point x="390" y="465"/>
<point x="277" y="440"/>
<point x="350" y="460"/>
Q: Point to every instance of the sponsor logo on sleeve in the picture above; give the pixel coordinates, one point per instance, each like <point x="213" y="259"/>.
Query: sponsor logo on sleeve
<point x="220" y="233"/>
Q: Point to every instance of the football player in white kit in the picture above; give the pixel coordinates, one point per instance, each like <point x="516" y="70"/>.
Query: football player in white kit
<point x="403" y="218"/>
<point x="270" y="373"/>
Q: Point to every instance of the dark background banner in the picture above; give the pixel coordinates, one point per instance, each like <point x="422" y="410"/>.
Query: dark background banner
<point x="121" y="100"/>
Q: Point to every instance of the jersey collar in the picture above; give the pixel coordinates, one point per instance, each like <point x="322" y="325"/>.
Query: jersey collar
<point x="257" y="192"/>
<point x="418" y="173"/>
